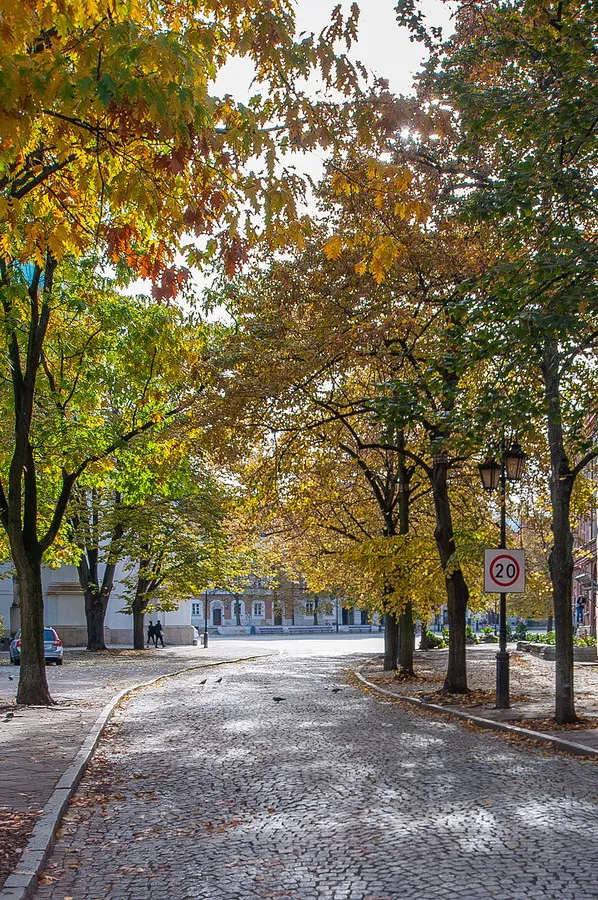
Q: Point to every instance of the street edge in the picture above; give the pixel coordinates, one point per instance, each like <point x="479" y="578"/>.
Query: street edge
<point x="22" y="883"/>
<point x="491" y="724"/>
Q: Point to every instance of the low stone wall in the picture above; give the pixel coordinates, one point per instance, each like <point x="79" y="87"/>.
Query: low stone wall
<point x="548" y="651"/>
<point x="176" y="635"/>
<point x="72" y="635"/>
<point x="76" y="635"/>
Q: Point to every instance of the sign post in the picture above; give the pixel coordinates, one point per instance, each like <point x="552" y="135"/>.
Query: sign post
<point x="504" y="571"/>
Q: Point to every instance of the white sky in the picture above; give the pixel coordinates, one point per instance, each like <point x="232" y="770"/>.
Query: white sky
<point x="382" y="46"/>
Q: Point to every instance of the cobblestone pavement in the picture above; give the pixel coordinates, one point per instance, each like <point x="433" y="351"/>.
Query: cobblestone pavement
<point x="38" y="744"/>
<point x="220" y="792"/>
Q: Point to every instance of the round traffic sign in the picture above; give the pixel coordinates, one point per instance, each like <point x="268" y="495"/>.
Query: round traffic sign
<point x="504" y="570"/>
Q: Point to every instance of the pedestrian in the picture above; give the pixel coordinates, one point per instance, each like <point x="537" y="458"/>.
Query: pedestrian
<point x="580" y="610"/>
<point x="151" y="634"/>
<point x="158" y="633"/>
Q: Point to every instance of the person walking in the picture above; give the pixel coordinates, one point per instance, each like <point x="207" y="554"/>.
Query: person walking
<point x="158" y="633"/>
<point x="151" y="634"/>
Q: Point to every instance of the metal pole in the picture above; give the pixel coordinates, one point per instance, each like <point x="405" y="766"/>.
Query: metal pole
<point x="502" y="657"/>
<point x="205" y="621"/>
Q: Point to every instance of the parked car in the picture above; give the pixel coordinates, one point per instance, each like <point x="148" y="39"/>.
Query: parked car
<point x="53" y="649"/>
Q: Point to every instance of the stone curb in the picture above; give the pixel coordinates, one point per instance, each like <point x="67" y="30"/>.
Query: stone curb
<point x="22" y="883"/>
<point x="491" y="724"/>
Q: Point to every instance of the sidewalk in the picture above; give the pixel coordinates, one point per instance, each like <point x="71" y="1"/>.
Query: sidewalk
<point x="531" y="684"/>
<point x="39" y="744"/>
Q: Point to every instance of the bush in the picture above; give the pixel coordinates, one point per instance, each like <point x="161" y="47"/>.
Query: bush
<point x="470" y="636"/>
<point x="584" y="640"/>
<point x="445" y="635"/>
<point x="521" y="631"/>
<point x="488" y="636"/>
<point x="435" y="641"/>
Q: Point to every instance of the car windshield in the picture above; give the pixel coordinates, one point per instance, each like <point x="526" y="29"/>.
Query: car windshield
<point x="49" y="634"/>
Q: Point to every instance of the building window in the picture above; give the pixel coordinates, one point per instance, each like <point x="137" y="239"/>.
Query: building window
<point x="258" y="609"/>
<point x="309" y="606"/>
<point x="196" y="609"/>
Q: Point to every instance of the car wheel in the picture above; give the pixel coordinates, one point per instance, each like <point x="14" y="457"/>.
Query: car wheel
<point x="16" y="662"/>
<point x="58" y="662"/>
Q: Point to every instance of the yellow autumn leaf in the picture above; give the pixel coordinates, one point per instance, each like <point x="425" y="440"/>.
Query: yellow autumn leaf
<point x="333" y="247"/>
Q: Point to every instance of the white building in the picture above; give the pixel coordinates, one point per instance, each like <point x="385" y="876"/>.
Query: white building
<point x="64" y="609"/>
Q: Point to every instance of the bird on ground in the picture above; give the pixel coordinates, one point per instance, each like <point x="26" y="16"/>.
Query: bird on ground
<point x="278" y="699"/>
<point x="218" y="680"/>
<point x="204" y="681"/>
<point x="336" y="690"/>
<point x="11" y="677"/>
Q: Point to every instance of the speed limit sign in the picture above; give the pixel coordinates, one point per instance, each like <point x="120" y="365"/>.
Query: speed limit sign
<point x="504" y="571"/>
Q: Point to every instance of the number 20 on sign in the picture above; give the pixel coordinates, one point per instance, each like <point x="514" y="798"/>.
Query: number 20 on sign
<point x="504" y="571"/>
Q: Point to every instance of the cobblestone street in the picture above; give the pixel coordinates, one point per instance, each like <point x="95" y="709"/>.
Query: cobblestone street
<point x="217" y="791"/>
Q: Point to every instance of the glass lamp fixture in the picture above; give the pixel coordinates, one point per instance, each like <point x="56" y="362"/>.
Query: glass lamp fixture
<point x="515" y="460"/>
<point x="490" y="474"/>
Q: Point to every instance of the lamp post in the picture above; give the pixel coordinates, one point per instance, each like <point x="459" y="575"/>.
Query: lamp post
<point x="495" y="475"/>
<point x="205" y="621"/>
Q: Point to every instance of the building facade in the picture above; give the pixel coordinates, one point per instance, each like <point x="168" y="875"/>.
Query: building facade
<point x="64" y="609"/>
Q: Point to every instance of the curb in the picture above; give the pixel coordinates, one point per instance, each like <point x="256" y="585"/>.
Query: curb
<point x="22" y="883"/>
<point x="490" y="724"/>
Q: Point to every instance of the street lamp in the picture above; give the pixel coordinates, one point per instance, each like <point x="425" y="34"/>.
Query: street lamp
<point x="495" y="475"/>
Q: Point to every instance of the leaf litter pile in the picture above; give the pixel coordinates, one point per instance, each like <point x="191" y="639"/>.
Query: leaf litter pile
<point x="532" y="687"/>
<point x="15" y="830"/>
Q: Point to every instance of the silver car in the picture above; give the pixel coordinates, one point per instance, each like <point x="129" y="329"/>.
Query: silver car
<point x="53" y="649"/>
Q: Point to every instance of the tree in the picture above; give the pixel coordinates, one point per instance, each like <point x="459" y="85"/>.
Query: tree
<point x="515" y="89"/>
<point x="99" y="514"/>
<point x="113" y="146"/>
<point x="361" y="363"/>
<point x="78" y="396"/>
<point x="175" y="542"/>
<point x="397" y="226"/>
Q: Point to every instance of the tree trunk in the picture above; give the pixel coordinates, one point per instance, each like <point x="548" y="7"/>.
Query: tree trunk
<point x="95" y="613"/>
<point x="423" y="641"/>
<point x="19" y="505"/>
<point x="456" y="588"/>
<point x="550" y="624"/>
<point x="138" y="609"/>
<point x="406" y="637"/>
<point x="391" y="642"/>
<point x="406" y="641"/>
<point x="33" y="684"/>
<point x="97" y="595"/>
<point x="561" y="556"/>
